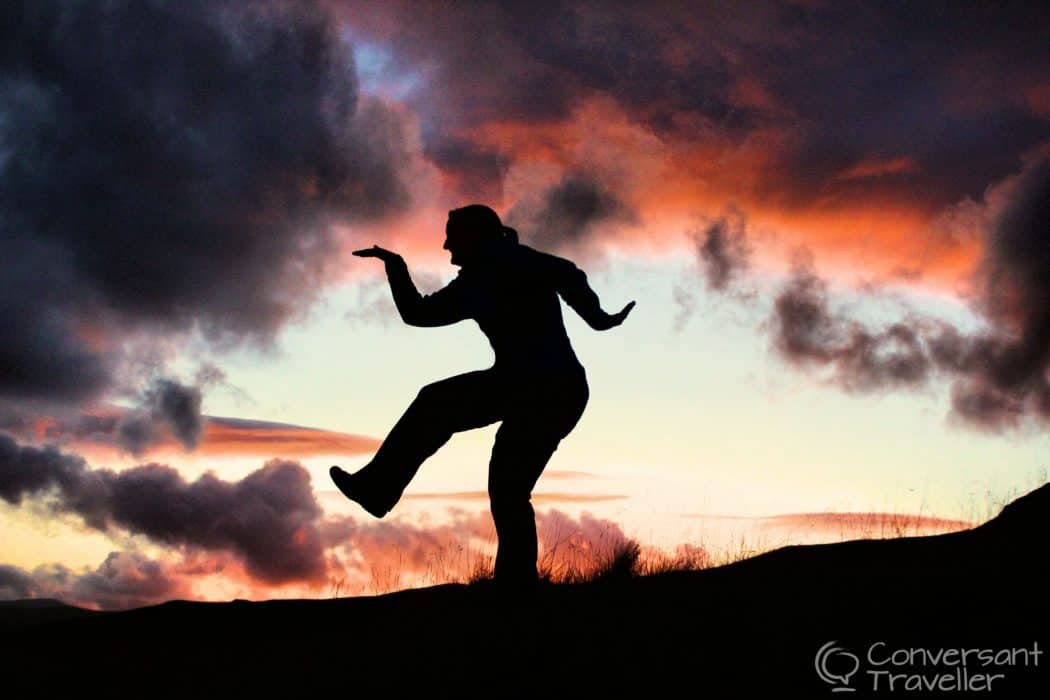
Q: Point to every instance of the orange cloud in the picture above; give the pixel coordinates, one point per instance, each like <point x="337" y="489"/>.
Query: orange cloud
<point x="811" y="133"/>
<point x="867" y="218"/>
<point x="877" y="167"/>
<point x="93" y="433"/>
<point x="389" y="555"/>
<point x="568" y="474"/>
<point x="864" y="218"/>
<point x="239" y="436"/>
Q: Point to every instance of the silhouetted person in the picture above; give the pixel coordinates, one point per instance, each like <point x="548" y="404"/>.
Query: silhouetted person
<point x="536" y="386"/>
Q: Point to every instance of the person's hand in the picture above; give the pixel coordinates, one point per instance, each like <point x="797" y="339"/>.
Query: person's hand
<point x="617" y="318"/>
<point x="377" y="252"/>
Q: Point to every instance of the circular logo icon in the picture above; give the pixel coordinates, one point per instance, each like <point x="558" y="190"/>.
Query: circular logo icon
<point x="835" y="665"/>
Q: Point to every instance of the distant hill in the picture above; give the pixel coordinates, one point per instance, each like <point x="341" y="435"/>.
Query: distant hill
<point x="35" y="603"/>
<point x="29" y="612"/>
<point x="761" y="627"/>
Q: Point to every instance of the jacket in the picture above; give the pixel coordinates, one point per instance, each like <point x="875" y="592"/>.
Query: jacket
<point x="512" y="293"/>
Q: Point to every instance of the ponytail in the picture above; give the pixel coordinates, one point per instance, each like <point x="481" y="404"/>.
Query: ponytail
<point x="510" y="234"/>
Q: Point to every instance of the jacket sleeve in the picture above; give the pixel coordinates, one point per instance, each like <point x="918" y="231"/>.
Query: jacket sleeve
<point x="445" y="306"/>
<point x="571" y="283"/>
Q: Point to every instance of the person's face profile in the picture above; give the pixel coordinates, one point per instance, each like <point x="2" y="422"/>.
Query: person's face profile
<point x="457" y="243"/>
<point x="452" y="241"/>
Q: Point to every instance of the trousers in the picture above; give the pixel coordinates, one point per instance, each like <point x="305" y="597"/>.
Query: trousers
<point x="537" y="412"/>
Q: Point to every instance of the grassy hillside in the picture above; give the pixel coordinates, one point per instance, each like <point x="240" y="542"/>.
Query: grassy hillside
<point x="752" y="628"/>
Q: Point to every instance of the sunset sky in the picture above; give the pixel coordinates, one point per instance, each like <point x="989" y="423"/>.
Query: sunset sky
<point x="834" y="218"/>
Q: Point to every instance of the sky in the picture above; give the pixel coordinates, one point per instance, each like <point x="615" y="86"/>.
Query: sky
<point x="832" y="216"/>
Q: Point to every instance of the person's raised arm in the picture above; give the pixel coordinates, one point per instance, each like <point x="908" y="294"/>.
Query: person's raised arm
<point x="572" y="285"/>
<point x="443" y="307"/>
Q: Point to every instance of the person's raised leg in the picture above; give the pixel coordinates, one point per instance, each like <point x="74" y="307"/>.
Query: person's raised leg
<point x="448" y="406"/>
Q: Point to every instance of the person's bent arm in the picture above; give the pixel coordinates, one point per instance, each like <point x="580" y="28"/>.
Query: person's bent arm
<point x="577" y="293"/>
<point x="443" y="307"/>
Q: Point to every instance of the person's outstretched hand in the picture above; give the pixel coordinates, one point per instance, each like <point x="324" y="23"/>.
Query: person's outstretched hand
<point x="377" y="252"/>
<point x="617" y="318"/>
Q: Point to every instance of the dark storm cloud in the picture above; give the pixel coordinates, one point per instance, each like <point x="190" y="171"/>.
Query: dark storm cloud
<point x="532" y="62"/>
<point x="722" y="249"/>
<point x="1009" y="373"/>
<point x="15" y="583"/>
<point x="723" y="255"/>
<point x="478" y="170"/>
<point x="167" y="404"/>
<point x="165" y="409"/>
<point x="942" y="85"/>
<point x="566" y="213"/>
<point x="26" y="470"/>
<point x="168" y="167"/>
<point x="124" y="580"/>
<point x="806" y="332"/>
<point x="1001" y="377"/>
<point x="942" y="91"/>
<point x="268" y="518"/>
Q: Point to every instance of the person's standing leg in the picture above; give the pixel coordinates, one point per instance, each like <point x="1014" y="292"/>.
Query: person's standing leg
<point x="537" y="419"/>
<point x="462" y="402"/>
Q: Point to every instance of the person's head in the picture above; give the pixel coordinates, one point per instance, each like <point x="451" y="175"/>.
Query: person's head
<point x="472" y="230"/>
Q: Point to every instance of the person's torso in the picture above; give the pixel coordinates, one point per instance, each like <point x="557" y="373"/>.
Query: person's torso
<point x="514" y="300"/>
